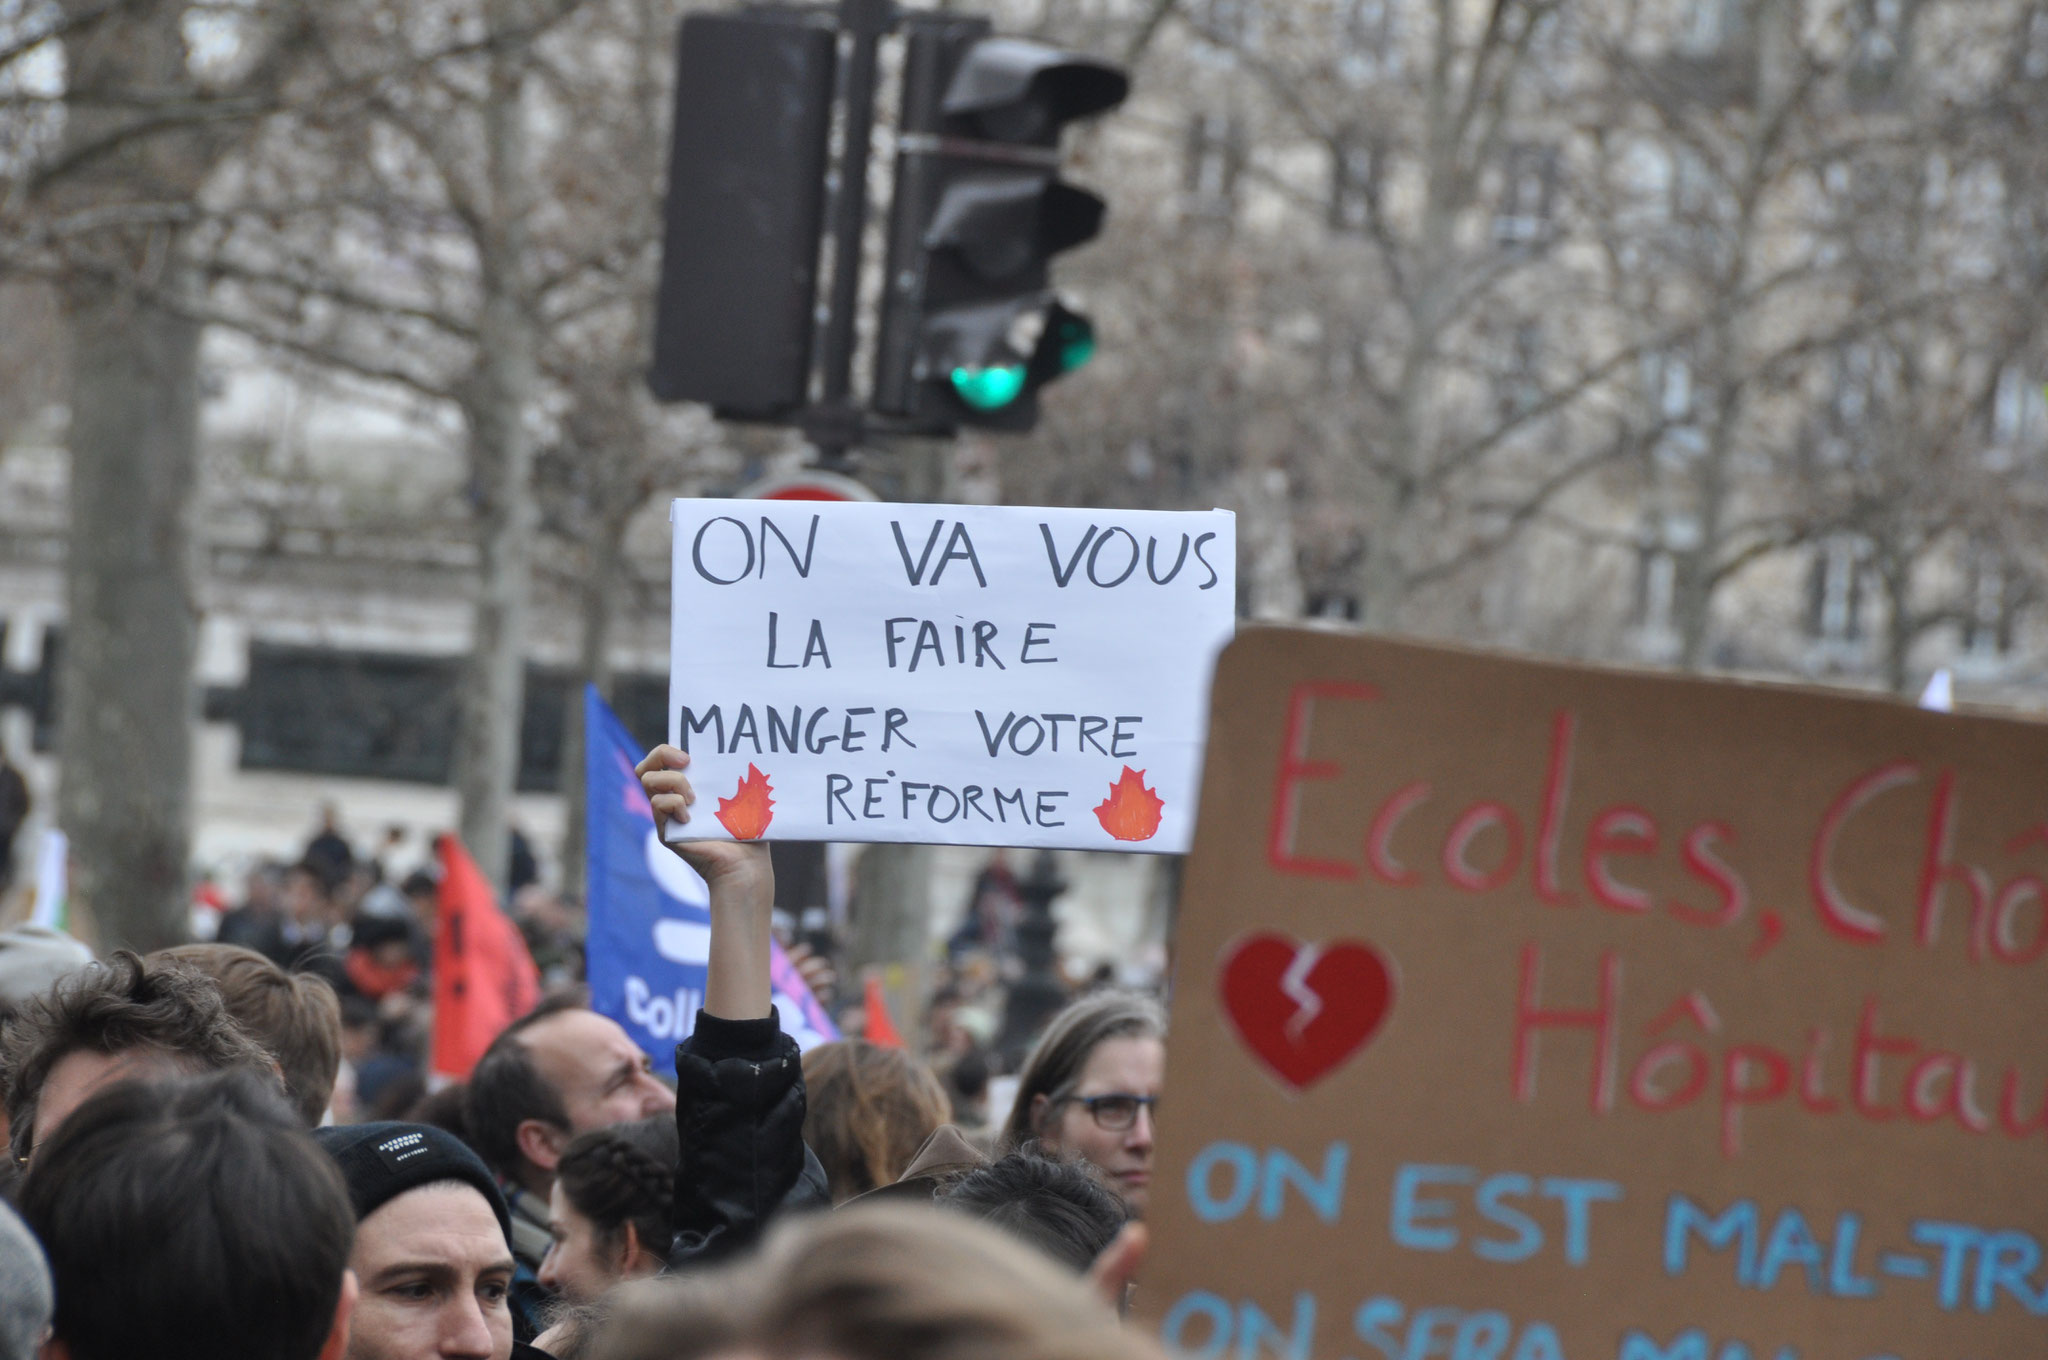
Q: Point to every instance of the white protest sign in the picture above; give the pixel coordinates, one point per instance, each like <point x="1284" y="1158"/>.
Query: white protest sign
<point x="946" y="674"/>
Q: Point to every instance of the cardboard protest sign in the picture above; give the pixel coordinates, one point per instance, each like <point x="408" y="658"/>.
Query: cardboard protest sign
<point x="950" y="674"/>
<point x="1524" y="1011"/>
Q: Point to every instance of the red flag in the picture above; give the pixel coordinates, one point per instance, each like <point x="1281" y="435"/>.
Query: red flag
<point x="484" y="978"/>
<point x="880" y="1030"/>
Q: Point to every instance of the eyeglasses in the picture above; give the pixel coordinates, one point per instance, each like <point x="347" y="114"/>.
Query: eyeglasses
<point x="1117" y="1111"/>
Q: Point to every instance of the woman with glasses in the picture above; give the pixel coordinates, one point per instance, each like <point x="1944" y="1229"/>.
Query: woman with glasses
<point x="1090" y="1088"/>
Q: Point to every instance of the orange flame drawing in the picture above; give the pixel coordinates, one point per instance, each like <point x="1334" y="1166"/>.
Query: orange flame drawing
<point x="747" y="813"/>
<point x="1131" y="812"/>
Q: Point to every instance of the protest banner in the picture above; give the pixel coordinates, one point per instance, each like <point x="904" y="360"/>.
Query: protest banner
<point x="650" y="914"/>
<point x="947" y="674"/>
<point x="1524" y="1011"/>
<point x="484" y="978"/>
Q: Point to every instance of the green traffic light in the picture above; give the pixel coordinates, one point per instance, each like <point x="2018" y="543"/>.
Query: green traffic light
<point x="989" y="389"/>
<point x="1077" y="344"/>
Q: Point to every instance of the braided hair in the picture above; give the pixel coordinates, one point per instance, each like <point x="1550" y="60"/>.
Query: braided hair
<point x="624" y="1174"/>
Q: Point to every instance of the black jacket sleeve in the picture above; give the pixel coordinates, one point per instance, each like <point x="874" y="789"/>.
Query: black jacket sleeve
<point x="740" y="1121"/>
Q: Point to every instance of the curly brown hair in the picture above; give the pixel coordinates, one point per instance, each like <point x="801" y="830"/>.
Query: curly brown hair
<point x="869" y="1110"/>
<point x="121" y="1005"/>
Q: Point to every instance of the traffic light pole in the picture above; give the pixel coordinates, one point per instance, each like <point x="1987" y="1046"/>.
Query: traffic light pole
<point x="834" y="425"/>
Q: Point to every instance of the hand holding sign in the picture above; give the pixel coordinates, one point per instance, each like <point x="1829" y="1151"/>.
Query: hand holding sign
<point x="742" y="883"/>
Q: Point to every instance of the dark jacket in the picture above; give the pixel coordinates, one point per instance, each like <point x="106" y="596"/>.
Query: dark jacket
<point x="740" y="1119"/>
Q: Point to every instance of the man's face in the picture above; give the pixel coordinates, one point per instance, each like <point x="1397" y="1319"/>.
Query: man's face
<point x="83" y="1073"/>
<point x="435" y="1273"/>
<point x="602" y="1075"/>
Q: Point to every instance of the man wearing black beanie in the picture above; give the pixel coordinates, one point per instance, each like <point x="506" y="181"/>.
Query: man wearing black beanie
<point x="431" y="1251"/>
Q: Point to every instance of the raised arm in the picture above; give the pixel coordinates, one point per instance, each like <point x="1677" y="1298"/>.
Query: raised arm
<point x="742" y="883"/>
<point x="739" y="1078"/>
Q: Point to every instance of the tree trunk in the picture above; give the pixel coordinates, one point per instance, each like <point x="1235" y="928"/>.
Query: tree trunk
<point x="892" y="916"/>
<point x="130" y="634"/>
<point x="600" y="602"/>
<point x="502" y="385"/>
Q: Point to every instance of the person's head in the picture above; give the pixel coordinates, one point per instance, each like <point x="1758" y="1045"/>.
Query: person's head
<point x="380" y="958"/>
<point x="33" y="959"/>
<point x="26" y="1300"/>
<point x="1088" y="1088"/>
<point x="1059" y="1206"/>
<point x="561" y="1071"/>
<point x="423" y="891"/>
<point x="307" y="897"/>
<point x="192" y="1218"/>
<point x="872" y="1282"/>
<point x="447" y="1108"/>
<point x="264" y="887"/>
<point x="432" y="1253"/>
<point x="294" y="1015"/>
<point x="869" y="1109"/>
<point x="967" y="1087"/>
<point x="609" y="1211"/>
<point x="123" y="1020"/>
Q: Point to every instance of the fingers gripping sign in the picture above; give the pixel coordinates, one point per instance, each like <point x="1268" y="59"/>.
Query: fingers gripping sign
<point x="742" y="884"/>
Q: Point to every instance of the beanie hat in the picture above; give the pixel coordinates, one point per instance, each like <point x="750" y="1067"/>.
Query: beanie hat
<point x="382" y="1161"/>
<point x="26" y="1299"/>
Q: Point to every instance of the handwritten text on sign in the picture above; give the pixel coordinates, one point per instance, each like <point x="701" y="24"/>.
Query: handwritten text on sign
<point x="965" y="675"/>
<point x="1527" y="1012"/>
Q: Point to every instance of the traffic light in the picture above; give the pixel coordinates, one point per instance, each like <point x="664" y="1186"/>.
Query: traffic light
<point x="745" y="207"/>
<point x="971" y="327"/>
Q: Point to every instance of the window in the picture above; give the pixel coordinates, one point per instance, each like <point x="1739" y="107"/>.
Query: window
<point x="1656" y="587"/>
<point x="1354" y="182"/>
<point x="1668" y="379"/>
<point x="1695" y="188"/>
<point x="1644" y="171"/>
<point x="1835" y="591"/>
<point x="1713" y="27"/>
<point x="384" y="715"/>
<point x="1866" y="378"/>
<point x="2019" y="411"/>
<point x="1664" y="538"/>
<point x="1367" y="35"/>
<point x="1880" y="42"/>
<point x="1987" y="633"/>
<point x="1225" y="22"/>
<point x="1528" y="195"/>
<point x="1215" y="154"/>
<point x="1673" y="408"/>
<point x="1521" y="382"/>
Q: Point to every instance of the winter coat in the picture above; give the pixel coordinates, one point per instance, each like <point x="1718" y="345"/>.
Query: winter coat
<point x="740" y="1119"/>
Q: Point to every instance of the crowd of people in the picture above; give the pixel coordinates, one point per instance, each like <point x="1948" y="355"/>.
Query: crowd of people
<point x="189" y="1177"/>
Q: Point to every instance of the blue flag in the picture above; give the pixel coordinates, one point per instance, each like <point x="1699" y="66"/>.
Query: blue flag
<point x="650" y="914"/>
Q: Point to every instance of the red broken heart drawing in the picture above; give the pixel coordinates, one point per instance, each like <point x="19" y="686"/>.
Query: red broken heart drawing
<point x="1303" y="1009"/>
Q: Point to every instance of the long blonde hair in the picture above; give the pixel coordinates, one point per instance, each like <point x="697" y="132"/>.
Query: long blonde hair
<point x="874" y="1282"/>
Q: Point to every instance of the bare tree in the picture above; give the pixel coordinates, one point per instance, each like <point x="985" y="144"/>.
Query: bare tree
<point x="105" y="178"/>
